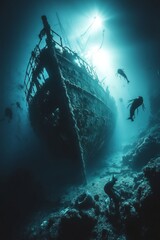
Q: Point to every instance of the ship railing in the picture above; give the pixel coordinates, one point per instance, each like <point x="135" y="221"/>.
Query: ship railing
<point x="60" y="43"/>
<point x="81" y="62"/>
<point x="77" y="59"/>
<point x="29" y="86"/>
<point x="32" y="64"/>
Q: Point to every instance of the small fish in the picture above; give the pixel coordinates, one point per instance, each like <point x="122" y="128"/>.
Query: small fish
<point x="134" y="104"/>
<point x="8" y="113"/>
<point x="20" y="86"/>
<point x="18" y="105"/>
<point x="121" y="73"/>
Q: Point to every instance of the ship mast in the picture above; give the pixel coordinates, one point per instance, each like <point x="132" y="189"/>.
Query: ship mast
<point x="47" y="30"/>
<point x="63" y="32"/>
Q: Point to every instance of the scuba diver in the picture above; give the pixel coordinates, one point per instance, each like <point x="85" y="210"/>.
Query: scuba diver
<point x="121" y="73"/>
<point x="113" y="194"/>
<point x="134" y="104"/>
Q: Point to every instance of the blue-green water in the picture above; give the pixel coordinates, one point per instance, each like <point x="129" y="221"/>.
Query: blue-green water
<point x="127" y="38"/>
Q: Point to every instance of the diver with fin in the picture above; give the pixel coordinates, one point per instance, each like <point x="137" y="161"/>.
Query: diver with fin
<point x="121" y="73"/>
<point x="113" y="194"/>
<point x="135" y="104"/>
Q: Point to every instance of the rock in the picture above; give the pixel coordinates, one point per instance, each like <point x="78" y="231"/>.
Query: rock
<point x="104" y="234"/>
<point x="84" y="201"/>
<point x="76" y="225"/>
<point x="96" y="197"/>
<point x="152" y="173"/>
<point x="146" y="148"/>
<point x="97" y="210"/>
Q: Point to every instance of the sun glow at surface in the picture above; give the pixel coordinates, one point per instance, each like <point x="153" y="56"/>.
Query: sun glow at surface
<point x="103" y="61"/>
<point x="95" y="47"/>
<point x="97" y="23"/>
<point x="100" y="46"/>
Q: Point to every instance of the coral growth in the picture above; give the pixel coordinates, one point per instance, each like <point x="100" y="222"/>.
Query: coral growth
<point x="121" y="202"/>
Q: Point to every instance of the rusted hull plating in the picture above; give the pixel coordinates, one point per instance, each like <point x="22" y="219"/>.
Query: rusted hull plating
<point x="67" y="105"/>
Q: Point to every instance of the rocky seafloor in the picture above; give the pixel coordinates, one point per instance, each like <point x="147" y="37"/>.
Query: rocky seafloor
<point x="121" y="202"/>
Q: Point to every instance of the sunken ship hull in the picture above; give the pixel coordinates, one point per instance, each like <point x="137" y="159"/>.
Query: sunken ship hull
<point x="68" y="107"/>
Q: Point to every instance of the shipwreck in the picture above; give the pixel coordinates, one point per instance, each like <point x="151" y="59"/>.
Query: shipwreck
<point x="67" y="105"/>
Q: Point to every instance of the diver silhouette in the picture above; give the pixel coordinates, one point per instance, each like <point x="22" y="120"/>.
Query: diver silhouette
<point x="113" y="193"/>
<point x="121" y="73"/>
<point x="134" y="104"/>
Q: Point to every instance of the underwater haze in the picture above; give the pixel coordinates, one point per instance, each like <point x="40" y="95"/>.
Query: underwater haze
<point x="36" y="190"/>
